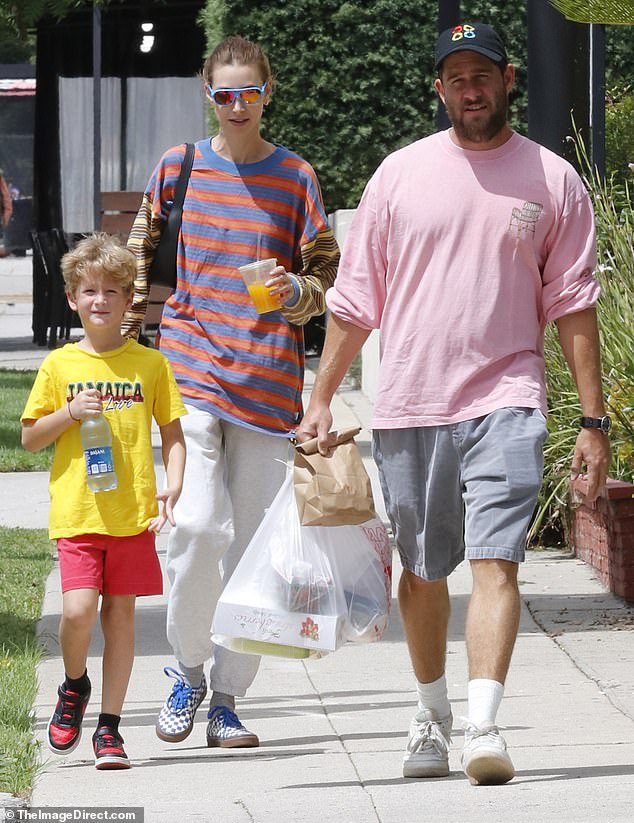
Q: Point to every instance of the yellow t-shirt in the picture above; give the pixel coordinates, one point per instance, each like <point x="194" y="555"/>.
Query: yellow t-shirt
<point x="136" y="384"/>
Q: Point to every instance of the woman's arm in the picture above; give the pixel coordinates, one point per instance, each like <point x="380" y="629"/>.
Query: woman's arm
<point x="320" y="260"/>
<point x="144" y="238"/>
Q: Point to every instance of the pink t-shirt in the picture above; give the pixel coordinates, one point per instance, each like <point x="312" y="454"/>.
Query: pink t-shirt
<point x="460" y="258"/>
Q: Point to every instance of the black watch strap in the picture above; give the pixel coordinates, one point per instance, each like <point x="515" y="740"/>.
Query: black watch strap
<point x="602" y="423"/>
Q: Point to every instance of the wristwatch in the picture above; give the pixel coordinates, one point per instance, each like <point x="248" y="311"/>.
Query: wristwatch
<point x="603" y="423"/>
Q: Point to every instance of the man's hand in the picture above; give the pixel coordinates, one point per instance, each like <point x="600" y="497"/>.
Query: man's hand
<point x="592" y="450"/>
<point x="317" y="422"/>
<point x="343" y="341"/>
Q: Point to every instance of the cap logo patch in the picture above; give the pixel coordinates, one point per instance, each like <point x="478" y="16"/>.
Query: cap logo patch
<point x="459" y="32"/>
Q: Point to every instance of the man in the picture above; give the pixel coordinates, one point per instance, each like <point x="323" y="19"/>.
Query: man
<point x="463" y="246"/>
<point x="6" y="210"/>
<point x="6" y="201"/>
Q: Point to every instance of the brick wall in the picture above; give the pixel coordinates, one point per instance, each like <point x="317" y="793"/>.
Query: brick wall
<point x="602" y="534"/>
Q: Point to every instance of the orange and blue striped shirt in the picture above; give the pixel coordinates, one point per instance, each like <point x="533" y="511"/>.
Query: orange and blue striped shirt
<point x="227" y="359"/>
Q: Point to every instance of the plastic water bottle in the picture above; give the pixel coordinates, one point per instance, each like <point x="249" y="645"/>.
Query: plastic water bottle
<point x="96" y="439"/>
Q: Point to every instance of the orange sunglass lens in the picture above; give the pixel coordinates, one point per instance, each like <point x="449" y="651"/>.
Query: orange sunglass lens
<point x="250" y="95"/>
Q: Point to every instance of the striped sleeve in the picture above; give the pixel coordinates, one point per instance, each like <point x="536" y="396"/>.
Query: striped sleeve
<point x="143" y="241"/>
<point x="146" y="233"/>
<point x="320" y="258"/>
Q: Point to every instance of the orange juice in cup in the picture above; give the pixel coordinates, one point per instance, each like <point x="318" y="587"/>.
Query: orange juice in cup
<point x="255" y="275"/>
<point x="262" y="298"/>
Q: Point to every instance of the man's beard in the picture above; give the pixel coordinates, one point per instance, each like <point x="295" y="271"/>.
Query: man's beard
<point x="473" y="130"/>
<point x="481" y="132"/>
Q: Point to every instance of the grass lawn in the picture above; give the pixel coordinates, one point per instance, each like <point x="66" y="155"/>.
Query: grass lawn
<point x="25" y="561"/>
<point x="14" y="389"/>
<point x="26" y="558"/>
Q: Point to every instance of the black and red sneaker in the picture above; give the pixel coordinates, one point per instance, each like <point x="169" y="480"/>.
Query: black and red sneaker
<point x="109" y="751"/>
<point x="64" y="728"/>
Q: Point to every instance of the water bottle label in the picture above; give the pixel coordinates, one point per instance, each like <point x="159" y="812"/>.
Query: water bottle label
<point x="99" y="460"/>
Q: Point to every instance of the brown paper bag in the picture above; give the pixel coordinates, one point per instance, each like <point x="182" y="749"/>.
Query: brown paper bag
<point x="333" y="490"/>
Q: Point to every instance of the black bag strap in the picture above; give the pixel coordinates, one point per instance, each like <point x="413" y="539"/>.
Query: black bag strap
<point x="176" y="212"/>
<point x="163" y="268"/>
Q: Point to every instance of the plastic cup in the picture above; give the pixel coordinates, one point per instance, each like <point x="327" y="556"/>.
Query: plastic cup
<point x="255" y="275"/>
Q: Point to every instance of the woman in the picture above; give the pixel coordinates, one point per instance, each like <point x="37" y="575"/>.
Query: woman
<point x="240" y="373"/>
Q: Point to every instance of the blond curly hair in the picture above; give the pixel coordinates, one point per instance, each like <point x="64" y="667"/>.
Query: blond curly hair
<point x="99" y="254"/>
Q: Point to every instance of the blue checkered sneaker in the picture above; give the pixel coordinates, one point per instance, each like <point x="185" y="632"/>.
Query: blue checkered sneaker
<point x="176" y="718"/>
<point x="225" y="730"/>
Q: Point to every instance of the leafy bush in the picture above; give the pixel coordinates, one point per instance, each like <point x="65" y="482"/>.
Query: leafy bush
<point x="354" y="79"/>
<point x="619" y="132"/>
<point x="615" y="247"/>
<point x="355" y="82"/>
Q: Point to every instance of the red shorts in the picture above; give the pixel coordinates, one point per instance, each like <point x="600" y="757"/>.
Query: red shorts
<point x="114" y="565"/>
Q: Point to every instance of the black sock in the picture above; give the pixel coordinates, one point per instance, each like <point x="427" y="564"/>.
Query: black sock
<point x="109" y="720"/>
<point x="80" y="685"/>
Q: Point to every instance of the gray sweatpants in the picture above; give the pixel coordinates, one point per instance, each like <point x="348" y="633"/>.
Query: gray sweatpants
<point x="232" y="475"/>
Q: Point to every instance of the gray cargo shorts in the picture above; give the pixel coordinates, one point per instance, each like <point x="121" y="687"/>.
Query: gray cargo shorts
<point x="467" y="489"/>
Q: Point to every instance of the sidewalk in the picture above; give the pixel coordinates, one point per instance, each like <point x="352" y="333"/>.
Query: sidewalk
<point x="17" y="349"/>
<point x="333" y="730"/>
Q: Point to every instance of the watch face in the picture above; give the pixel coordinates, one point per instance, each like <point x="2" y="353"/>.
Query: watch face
<point x="606" y="424"/>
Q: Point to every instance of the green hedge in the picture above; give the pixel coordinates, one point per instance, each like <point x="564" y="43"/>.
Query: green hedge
<point x="615" y="247"/>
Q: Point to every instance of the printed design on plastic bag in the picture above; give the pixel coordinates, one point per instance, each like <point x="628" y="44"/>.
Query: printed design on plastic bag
<point x="302" y="591"/>
<point x="310" y="629"/>
<point x="267" y="627"/>
<point x="380" y="540"/>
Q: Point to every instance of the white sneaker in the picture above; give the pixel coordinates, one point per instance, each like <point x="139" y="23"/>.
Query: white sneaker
<point x="427" y="753"/>
<point x="484" y="758"/>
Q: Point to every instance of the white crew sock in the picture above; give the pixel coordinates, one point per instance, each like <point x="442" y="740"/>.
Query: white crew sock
<point x="484" y="698"/>
<point x="434" y="696"/>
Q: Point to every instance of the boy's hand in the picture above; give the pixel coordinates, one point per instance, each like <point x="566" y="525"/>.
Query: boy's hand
<point x="86" y="403"/>
<point x="167" y="500"/>
<point x="42" y="432"/>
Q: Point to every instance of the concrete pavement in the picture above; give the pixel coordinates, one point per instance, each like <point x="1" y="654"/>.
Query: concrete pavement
<point x="17" y="349"/>
<point x="333" y="730"/>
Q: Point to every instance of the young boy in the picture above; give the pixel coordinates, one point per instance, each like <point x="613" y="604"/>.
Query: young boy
<point x="105" y="539"/>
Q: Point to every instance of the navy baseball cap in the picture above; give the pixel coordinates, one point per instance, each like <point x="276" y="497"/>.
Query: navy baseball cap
<point x="476" y="37"/>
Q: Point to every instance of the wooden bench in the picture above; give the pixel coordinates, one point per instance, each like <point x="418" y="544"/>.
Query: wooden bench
<point x="118" y="210"/>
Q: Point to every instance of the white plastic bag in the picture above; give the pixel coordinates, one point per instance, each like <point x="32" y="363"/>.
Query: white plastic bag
<point x="304" y="590"/>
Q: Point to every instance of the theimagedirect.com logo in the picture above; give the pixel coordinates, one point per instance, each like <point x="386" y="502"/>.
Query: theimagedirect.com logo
<point x="66" y="814"/>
